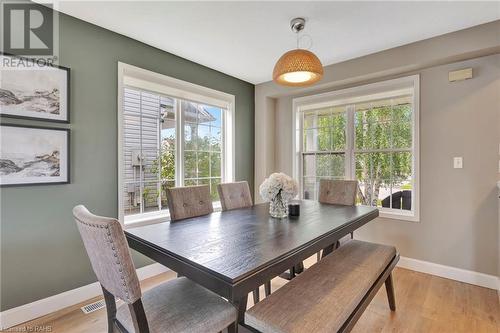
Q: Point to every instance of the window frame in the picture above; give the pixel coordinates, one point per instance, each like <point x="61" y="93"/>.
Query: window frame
<point x="139" y="78"/>
<point x="348" y="97"/>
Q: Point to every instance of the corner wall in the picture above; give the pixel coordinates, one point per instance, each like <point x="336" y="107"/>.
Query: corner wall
<point x="459" y="216"/>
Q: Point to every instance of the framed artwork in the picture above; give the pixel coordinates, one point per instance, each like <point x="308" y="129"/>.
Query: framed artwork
<point x="31" y="155"/>
<point x="33" y="90"/>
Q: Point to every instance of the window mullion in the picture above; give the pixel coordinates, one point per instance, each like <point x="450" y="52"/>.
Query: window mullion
<point x="159" y="154"/>
<point x="179" y="138"/>
<point x="141" y="158"/>
<point x="350" y="162"/>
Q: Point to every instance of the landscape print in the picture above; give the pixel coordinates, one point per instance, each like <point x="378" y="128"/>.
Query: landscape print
<point x="33" y="155"/>
<point x="33" y="91"/>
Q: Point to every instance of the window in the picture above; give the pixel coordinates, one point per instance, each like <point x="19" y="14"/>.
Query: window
<point x="367" y="133"/>
<point x="169" y="137"/>
<point x="202" y="146"/>
<point x="324" y="148"/>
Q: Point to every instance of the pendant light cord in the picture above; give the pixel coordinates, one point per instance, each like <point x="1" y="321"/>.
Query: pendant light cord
<point x="304" y="36"/>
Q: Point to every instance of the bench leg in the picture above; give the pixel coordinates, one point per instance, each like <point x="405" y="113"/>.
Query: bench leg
<point x="389" y="287"/>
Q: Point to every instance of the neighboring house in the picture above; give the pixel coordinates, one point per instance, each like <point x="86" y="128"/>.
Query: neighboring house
<point x="150" y="121"/>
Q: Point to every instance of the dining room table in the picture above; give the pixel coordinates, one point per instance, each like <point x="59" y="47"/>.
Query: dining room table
<point x="233" y="252"/>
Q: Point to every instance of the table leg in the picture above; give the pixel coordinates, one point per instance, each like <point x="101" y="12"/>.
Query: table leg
<point x="299" y="268"/>
<point x="233" y="328"/>
<point x="267" y="288"/>
<point x="330" y="248"/>
<point x="241" y="306"/>
<point x="256" y="296"/>
<point x="290" y="274"/>
<point x="327" y="250"/>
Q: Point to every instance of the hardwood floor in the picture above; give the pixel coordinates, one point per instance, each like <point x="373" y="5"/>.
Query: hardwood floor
<point x="425" y="303"/>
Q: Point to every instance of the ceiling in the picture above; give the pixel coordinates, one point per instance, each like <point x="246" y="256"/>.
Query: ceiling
<point x="244" y="39"/>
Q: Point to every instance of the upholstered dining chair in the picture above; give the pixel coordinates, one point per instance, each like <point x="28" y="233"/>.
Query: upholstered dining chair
<point x="234" y="195"/>
<point x="337" y="192"/>
<point x="178" y="305"/>
<point x="237" y="195"/>
<point x="189" y="201"/>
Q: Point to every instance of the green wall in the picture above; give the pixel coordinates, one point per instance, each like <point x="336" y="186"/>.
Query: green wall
<point x="41" y="250"/>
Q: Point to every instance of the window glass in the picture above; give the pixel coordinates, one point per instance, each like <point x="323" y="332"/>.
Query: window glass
<point x="151" y="148"/>
<point x="380" y="154"/>
<point x="384" y="127"/>
<point x="324" y="145"/>
<point x="203" y="150"/>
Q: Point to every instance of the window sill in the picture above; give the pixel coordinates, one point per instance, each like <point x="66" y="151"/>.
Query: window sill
<point x="402" y="215"/>
<point x="138" y="220"/>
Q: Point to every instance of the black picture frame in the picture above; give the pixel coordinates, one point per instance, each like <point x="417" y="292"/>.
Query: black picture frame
<point x="67" y="160"/>
<point x="68" y="93"/>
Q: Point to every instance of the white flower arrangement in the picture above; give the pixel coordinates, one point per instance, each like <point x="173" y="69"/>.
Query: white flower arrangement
<point x="279" y="184"/>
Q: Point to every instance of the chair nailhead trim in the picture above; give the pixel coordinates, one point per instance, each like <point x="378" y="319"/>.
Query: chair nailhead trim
<point x="110" y="240"/>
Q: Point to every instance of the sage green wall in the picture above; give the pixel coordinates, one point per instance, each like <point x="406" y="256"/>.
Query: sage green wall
<point x="41" y="250"/>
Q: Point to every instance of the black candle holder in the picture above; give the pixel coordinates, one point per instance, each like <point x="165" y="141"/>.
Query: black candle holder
<point x="294" y="209"/>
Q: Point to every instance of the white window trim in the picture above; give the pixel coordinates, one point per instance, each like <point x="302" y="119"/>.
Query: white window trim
<point x="129" y="75"/>
<point x="353" y="95"/>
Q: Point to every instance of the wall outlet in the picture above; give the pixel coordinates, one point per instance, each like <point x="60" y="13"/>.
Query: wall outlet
<point x="458" y="162"/>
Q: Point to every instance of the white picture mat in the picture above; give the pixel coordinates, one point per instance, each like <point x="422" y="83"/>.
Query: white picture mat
<point x="30" y="79"/>
<point x="24" y="144"/>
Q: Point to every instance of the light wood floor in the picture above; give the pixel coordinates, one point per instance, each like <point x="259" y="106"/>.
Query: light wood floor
<point x="425" y="303"/>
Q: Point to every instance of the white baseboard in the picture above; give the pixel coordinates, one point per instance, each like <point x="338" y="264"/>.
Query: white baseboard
<point x="453" y="273"/>
<point x="30" y="311"/>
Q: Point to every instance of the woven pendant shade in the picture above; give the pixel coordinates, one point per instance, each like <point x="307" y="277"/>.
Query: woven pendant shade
<point x="298" y="68"/>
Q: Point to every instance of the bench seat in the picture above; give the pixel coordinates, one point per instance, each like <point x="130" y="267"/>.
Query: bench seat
<point x="331" y="295"/>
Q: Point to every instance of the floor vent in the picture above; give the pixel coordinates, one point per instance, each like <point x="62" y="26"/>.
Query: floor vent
<point x="89" y="308"/>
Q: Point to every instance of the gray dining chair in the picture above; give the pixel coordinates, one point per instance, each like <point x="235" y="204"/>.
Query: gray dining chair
<point x="178" y="305"/>
<point x="234" y="196"/>
<point x="337" y="192"/>
<point x="189" y="201"/>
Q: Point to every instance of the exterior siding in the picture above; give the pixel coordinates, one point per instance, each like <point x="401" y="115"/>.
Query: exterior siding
<point x="141" y="122"/>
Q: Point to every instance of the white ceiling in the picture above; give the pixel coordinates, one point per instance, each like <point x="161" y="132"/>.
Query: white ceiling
<point x="244" y="39"/>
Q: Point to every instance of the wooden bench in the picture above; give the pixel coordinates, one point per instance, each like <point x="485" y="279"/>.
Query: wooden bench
<point x="331" y="295"/>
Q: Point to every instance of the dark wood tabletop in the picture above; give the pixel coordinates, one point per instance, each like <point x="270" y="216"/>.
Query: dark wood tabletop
<point x="233" y="252"/>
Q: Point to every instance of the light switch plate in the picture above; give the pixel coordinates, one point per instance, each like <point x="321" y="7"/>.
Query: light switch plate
<point x="458" y="162"/>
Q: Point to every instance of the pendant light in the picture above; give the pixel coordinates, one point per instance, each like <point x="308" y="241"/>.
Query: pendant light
<point x="298" y="67"/>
